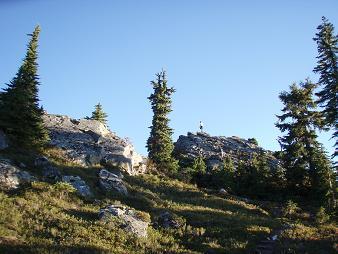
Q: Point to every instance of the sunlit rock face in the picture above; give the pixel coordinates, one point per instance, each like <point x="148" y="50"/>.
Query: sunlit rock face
<point x="90" y="142"/>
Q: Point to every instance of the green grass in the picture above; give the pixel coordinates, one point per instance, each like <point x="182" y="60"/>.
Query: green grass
<point x="44" y="218"/>
<point x="307" y="238"/>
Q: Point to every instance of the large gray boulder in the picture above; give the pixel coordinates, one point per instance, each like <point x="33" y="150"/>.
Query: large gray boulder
<point x="80" y="185"/>
<point x="3" y="140"/>
<point x="11" y="177"/>
<point x="215" y="148"/>
<point x="126" y="218"/>
<point x="90" y="142"/>
<point x="110" y="181"/>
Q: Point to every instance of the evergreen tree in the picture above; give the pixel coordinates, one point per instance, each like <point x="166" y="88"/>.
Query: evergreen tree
<point x="253" y="141"/>
<point x="252" y="176"/>
<point x="20" y="114"/>
<point x="328" y="70"/>
<point x="303" y="157"/>
<point x="159" y="144"/>
<point x="223" y="177"/>
<point x="199" y="165"/>
<point x="99" y="115"/>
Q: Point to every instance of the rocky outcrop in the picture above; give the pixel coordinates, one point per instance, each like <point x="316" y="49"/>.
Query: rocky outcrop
<point x="11" y="177"/>
<point x="90" y="142"/>
<point x="3" y="140"/>
<point x="126" y="218"/>
<point x="215" y="148"/>
<point x="168" y="220"/>
<point x="110" y="181"/>
<point x="80" y="185"/>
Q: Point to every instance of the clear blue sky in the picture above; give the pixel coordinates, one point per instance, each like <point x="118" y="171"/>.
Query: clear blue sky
<point x="228" y="60"/>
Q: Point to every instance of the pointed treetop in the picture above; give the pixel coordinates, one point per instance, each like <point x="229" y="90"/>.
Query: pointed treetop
<point x="98" y="114"/>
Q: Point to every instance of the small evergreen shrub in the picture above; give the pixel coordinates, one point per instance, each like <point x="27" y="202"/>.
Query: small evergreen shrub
<point x="199" y="165"/>
<point x="224" y="176"/>
<point x="63" y="189"/>
<point x="290" y="209"/>
<point x="321" y="216"/>
<point x="98" y="114"/>
<point x="253" y="141"/>
<point x="185" y="175"/>
<point x="143" y="216"/>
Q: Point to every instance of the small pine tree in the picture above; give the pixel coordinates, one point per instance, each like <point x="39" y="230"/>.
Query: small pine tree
<point x="253" y="176"/>
<point x="321" y="216"/>
<point x="253" y="141"/>
<point x="290" y="209"/>
<point x="228" y="164"/>
<point x="20" y="114"/>
<point x="160" y="146"/>
<point x="99" y="115"/>
<point x="327" y="68"/>
<point x="223" y="177"/>
<point x="199" y="165"/>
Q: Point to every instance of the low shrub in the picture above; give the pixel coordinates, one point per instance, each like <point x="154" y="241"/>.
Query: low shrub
<point x="290" y="209"/>
<point x="321" y="216"/>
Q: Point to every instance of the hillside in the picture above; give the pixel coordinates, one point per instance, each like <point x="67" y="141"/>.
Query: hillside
<point x="74" y="186"/>
<point x="114" y="211"/>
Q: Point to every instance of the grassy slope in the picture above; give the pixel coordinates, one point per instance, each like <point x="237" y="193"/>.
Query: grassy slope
<point x="44" y="219"/>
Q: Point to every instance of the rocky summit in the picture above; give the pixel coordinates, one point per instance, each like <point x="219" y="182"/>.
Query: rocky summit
<point x="215" y="148"/>
<point x="90" y="142"/>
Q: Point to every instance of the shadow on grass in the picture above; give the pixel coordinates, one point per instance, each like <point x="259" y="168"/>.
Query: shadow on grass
<point x="192" y="197"/>
<point x="231" y="226"/>
<point x="83" y="215"/>
<point x="313" y="246"/>
<point x="12" y="247"/>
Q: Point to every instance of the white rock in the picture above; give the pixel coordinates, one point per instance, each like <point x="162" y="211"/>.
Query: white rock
<point x="94" y="126"/>
<point x="274" y="238"/>
<point x="11" y="177"/>
<point x="79" y="184"/>
<point x="130" y="221"/>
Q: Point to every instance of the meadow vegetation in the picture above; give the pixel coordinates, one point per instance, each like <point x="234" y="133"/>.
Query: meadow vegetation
<point x="51" y="218"/>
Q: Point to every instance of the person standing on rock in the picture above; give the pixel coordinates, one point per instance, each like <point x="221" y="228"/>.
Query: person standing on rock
<point x="222" y="153"/>
<point x="201" y="126"/>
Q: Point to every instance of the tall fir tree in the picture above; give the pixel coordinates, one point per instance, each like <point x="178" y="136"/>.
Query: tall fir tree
<point x="307" y="166"/>
<point x="20" y="113"/>
<point x="159" y="144"/>
<point x="327" y="68"/>
<point x="98" y="114"/>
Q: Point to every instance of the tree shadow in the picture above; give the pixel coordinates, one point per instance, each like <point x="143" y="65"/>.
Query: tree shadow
<point x="308" y="246"/>
<point x="194" y="197"/>
<point x="7" y="247"/>
<point x="83" y="215"/>
<point x="233" y="227"/>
